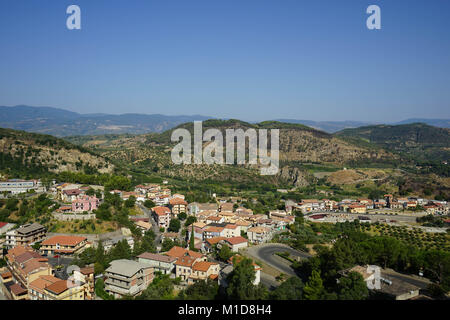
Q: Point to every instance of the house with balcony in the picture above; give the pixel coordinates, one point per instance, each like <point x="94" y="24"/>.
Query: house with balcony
<point x="25" y="265"/>
<point x="85" y="203"/>
<point x="177" y="205"/>
<point x="127" y="278"/>
<point x="63" y="245"/>
<point x="25" y="235"/>
<point x="162" y="263"/>
<point x="86" y="276"/>
<point x="204" y="270"/>
<point x="161" y="216"/>
<point x="259" y="234"/>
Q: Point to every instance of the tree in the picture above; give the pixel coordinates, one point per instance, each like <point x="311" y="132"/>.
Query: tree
<point x="129" y="203"/>
<point x="167" y="244"/>
<point x="352" y="287"/>
<point x="291" y="289"/>
<point x="201" y="290"/>
<point x="174" y="225"/>
<point x="314" y="289"/>
<point x="190" y="220"/>
<point x="224" y="253"/>
<point x="147" y="244"/>
<point x="118" y="183"/>
<point x="192" y="240"/>
<point x="90" y="191"/>
<point x="121" y="250"/>
<point x="161" y="288"/>
<point x="182" y="216"/>
<point x="240" y="283"/>
<point x="149" y="204"/>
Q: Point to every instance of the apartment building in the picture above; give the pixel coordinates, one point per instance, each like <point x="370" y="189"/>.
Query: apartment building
<point x="63" y="245"/>
<point x="16" y="186"/>
<point x="25" y="235"/>
<point x="259" y="234"/>
<point x="178" y="205"/>
<point x="127" y="277"/>
<point x="64" y="290"/>
<point x="162" y="216"/>
<point x="159" y="262"/>
<point x="25" y="265"/>
<point x="86" y="276"/>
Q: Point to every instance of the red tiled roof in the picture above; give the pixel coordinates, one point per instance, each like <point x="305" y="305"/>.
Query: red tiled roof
<point x="214" y="229"/>
<point x="2" y="224"/>
<point x="176" y="201"/>
<point x="176" y="252"/>
<point x="203" y="265"/>
<point x="236" y="240"/>
<point x="160" y="211"/>
<point x="214" y="240"/>
<point x="64" y="240"/>
<point x="186" y="261"/>
<point x="58" y="287"/>
<point x="17" y="289"/>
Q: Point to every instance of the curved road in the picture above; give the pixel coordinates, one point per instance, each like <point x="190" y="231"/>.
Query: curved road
<point x="266" y="253"/>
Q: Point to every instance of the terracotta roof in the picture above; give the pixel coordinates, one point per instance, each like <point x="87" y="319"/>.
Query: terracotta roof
<point x="58" y="287"/>
<point x="199" y="224"/>
<point x="17" y="289"/>
<point x="203" y="266"/>
<point x="186" y="261"/>
<point x="157" y="257"/>
<point x="2" y="224"/>
<point x="16" y="251"/>
<point x="236" y="240"/>
<point x="194" y="254"/>
<point x="87" y="270"/>
<point x="5" y="275"/>
<point x="24" y="257"/>
<point x="176" y="201"/>
<point x="214" y="229"/>
<point x="214" y="218"/>
<point x="214" y="240"/>
<point x="160" y="211"/>
<point x="176" y="252"/>
<point x="43" y="281"/>
<point x="34" y="264"/>
<point x="64" y="240"/>
<point x="231" y="226"/>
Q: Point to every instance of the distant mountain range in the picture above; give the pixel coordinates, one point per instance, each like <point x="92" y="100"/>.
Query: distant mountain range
<point x="62" y="123"/>
<point x="335" y="126"/>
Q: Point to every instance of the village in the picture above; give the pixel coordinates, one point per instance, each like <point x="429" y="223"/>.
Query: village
<point x="38" y="262"/>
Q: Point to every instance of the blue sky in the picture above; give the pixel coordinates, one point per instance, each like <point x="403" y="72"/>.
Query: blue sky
<point x="246" y="59"/>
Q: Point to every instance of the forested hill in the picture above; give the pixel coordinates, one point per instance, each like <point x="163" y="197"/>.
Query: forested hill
<point x="418" y="141"/>
<point x="24" y="154"/>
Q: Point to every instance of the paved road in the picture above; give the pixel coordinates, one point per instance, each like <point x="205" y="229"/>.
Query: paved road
<point x="269" y="281"/>
<point x="153" y="223"/>
<point x="266" y="253"/>
<point x="422" y="283"/>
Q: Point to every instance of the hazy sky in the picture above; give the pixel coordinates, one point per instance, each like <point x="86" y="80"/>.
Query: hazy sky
<point x="247" y="59"/>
